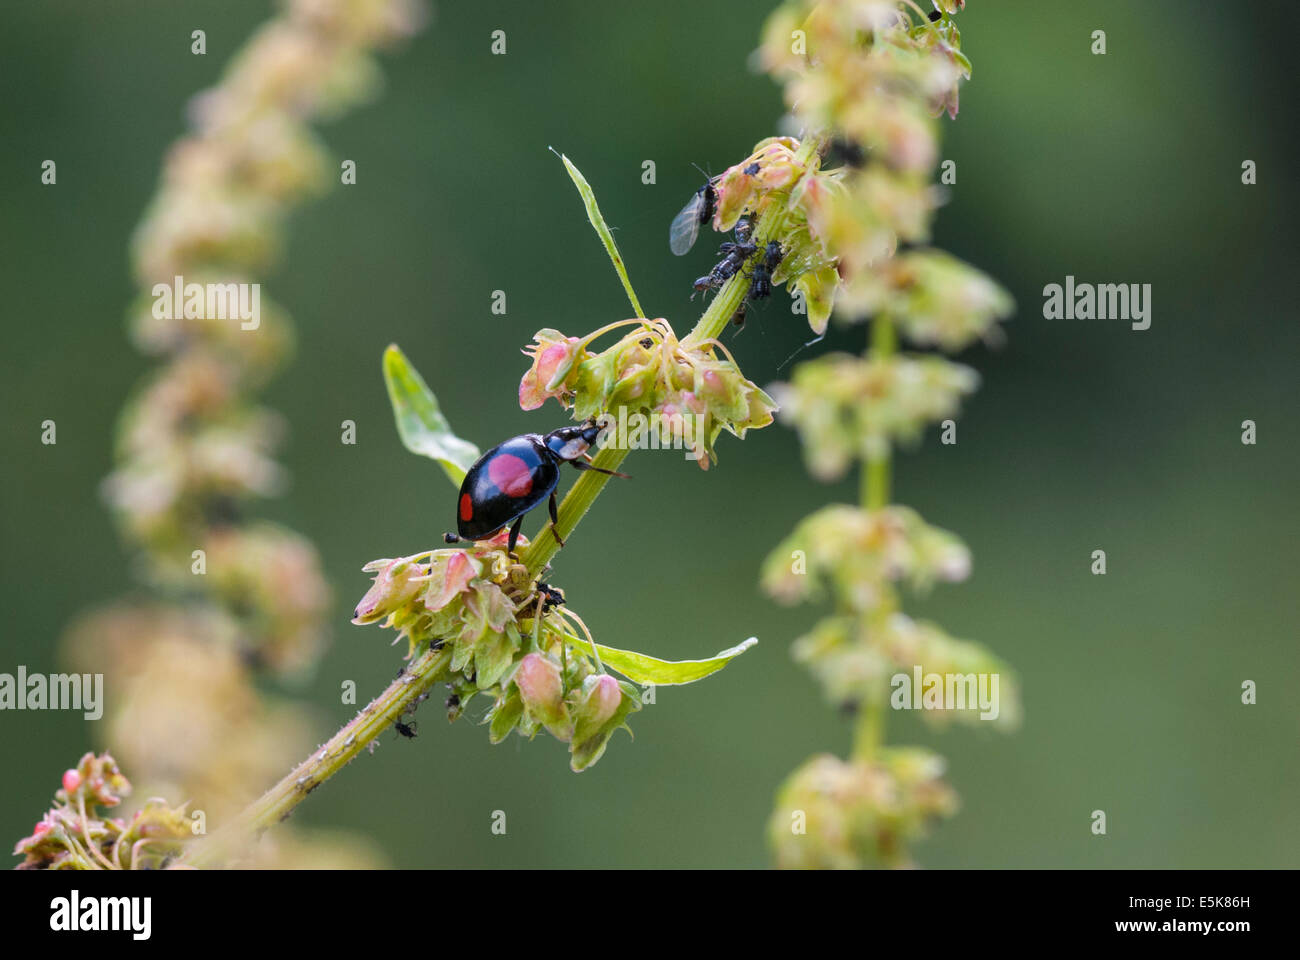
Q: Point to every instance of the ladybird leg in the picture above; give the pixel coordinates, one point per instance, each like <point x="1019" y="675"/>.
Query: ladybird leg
<point x="451" y="538"/>
<point x="581" y="465"/>
<point x="514" y="536"/>
<point x="555" y="517"/>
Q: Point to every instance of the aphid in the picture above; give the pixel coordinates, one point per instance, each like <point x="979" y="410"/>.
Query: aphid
<point x="405" y="729"/>
<point x="738" y="318"/>
<point x="686" y="225"/>
<point x="730" y="265"/>
<point x="844" y="153"/>
<point x="554" y="595"/>
<point x="734" y="254"/>
<point x="760" y="285"/>
<point x="705" y="283"/>
<point x="751" y="170"/>
<point x="515" y="476"/>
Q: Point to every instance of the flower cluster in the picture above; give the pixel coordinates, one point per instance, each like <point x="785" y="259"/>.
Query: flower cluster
<point x="647" y="371"/>
<point x="848" y="408"/>
<point x="504" y="638"/>
<point x="859" y="556"/>
<point x="856" y="657"/>
<point x="73" y="836"/>
<point x="860" y="553"/>
<point x="834" y="814"/>
<point x="936" y="299"/>
<point x="764" y="177"/>
<point x="869" y="81"/>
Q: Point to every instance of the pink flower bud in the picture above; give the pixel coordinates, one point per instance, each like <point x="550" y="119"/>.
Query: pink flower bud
<point x="554" y="357"/>
<point x="71" y="781"/>
<point x="542" y="692"/>
<point x="458" y="571"/>
<point x="394" y="587"/>
<point x="601" y="702"/>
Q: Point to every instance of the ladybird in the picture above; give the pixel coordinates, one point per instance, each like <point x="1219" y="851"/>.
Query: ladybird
<point x="515" y="476"/>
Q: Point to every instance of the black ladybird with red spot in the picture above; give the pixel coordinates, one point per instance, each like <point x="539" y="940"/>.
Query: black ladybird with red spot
<point x="515" y="476"/>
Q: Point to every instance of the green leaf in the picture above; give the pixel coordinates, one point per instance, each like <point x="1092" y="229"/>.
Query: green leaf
<point x="642" y="668"/>
<point x="597" y="221"/>
<point x="420" y="423"/>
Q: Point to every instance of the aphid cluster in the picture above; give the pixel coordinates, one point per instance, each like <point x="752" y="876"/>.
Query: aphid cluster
<point x="735" y="254"/>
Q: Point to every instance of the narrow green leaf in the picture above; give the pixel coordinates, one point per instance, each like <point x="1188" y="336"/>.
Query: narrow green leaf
<point x="420" y="423"/>
<point x="642" y="668"/>
<point x="597" y="221"/>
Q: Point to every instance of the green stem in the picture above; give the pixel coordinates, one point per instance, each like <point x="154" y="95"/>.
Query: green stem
<point x="278" y="802"/>
<point x="869" y="732"/>
<point x="542" y="547"/>
<point x="875" y="482"/>
<point x="875" y="471"/>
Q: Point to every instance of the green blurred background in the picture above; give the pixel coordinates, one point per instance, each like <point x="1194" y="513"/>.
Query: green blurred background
<point x="1085" y="434"/>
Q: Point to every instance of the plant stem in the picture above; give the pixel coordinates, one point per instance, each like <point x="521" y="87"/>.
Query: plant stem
<point x="869" y="733"/>
<point x="278" y="802"/>
<point x="875" y="471"/>
<point x="572" y="509"/>
<point x="875" y="482"/>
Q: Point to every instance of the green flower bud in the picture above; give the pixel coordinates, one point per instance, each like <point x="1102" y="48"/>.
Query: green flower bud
<point x="719" y="384"/>
<point x="505" y="714"/>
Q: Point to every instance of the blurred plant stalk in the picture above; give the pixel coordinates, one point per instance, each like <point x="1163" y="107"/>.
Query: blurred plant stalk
<point x="872" y="77"/>
<point x="232" y="596"/>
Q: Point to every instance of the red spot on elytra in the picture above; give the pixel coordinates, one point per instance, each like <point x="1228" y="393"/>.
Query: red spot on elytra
<point x="512" y="476"/>
<point x="466" y="507"/>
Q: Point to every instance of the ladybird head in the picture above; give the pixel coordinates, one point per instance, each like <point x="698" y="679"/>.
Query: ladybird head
<point x="570" y="443"/>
